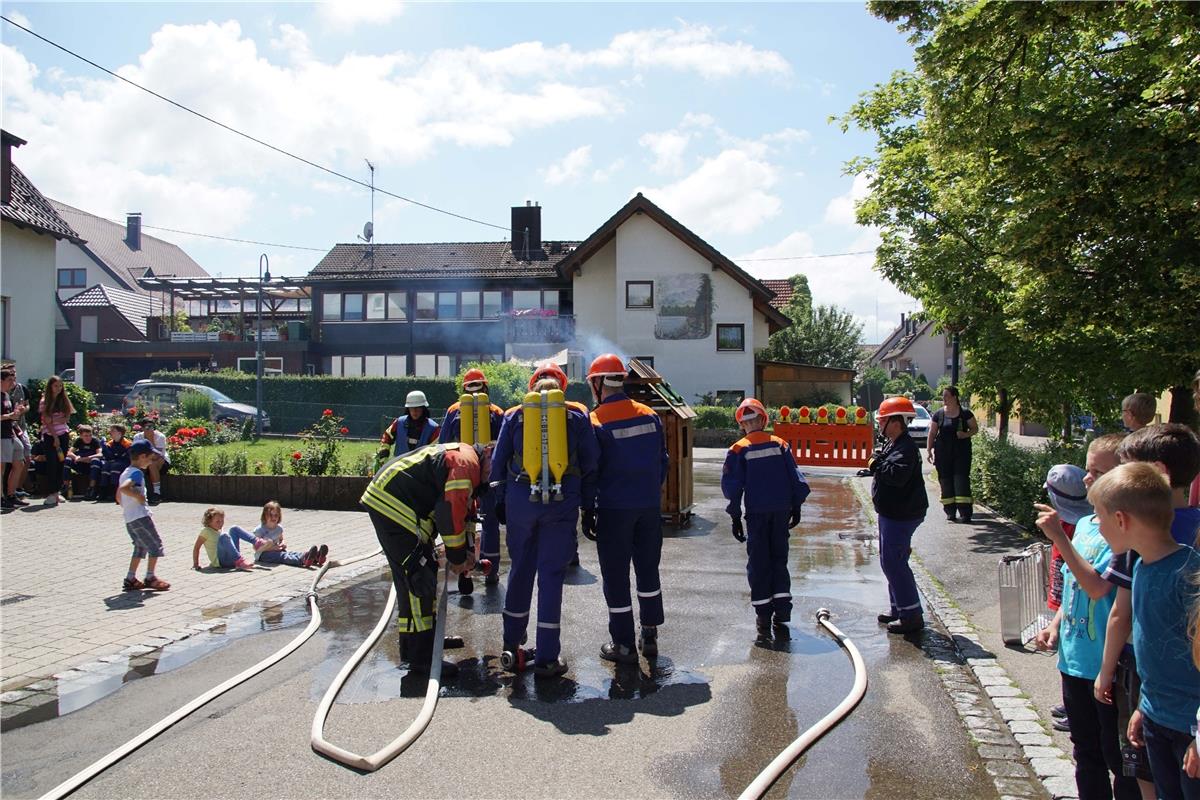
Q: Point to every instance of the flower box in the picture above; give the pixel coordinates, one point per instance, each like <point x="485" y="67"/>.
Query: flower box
<point x="325" y="492"/>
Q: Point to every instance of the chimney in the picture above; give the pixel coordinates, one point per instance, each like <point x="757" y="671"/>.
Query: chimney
<point x="7" y="143"/>
<point x="133" y="230"/>
<point x="527" y="232"/>
<point x="903" y="323"/>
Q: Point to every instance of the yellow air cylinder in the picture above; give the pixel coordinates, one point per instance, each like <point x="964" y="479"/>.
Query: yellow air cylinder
<point x="483" y="419"/>
<point x="466" y="419"/>
<point x="531" y="457"/>
<point x="557" y="439"/>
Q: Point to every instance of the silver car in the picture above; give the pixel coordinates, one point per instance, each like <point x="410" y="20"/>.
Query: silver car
<point x="918" y="426"/>
<point x="155" y="394"/>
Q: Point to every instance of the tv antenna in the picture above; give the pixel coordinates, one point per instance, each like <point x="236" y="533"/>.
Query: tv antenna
<point x="368" y="234"/>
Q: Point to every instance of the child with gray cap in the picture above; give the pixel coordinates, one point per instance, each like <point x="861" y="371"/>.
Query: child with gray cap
<point x="1068" y="496"/>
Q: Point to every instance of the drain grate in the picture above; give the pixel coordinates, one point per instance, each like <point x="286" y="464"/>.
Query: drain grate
<point x="9" y="599"/>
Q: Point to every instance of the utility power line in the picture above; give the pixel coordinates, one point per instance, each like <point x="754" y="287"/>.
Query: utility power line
<point x="228" y="238"/>
<point x="244" y="135"/>
<point x="799" y="258"/>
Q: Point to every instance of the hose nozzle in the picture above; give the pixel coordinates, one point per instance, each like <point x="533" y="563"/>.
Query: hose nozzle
<point x="822" y="613"/>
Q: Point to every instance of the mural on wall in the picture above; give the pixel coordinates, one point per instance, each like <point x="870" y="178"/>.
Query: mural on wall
<point x="685" y="307"/>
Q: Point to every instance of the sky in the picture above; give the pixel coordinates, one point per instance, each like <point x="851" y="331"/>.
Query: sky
<point x="717" y="112"/>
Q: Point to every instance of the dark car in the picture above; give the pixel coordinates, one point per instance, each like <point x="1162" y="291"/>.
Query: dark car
<point x="155" y="394"/>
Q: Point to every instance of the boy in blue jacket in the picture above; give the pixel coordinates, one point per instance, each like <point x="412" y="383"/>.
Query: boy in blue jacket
<point x="760" y="468"/>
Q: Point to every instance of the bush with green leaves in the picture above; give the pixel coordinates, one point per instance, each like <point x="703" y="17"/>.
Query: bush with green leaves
<point x="221" y="463"/>
<point x="196" y="405"/>
<point x="240" y="465"/>
<point x="320" y="446"/>
<point x="1009" y="479"/>
<point x="185" y="460"/>
<point x="277" y="464"/>
<point x="83" y="401"/>
<point x="364" y="465"/>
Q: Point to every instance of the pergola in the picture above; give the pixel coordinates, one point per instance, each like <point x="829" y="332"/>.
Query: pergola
<point x="275" y="292"/>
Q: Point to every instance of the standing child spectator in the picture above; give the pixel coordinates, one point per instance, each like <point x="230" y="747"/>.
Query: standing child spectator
<point x="114" y="458"/>
<point x="222" y="552"/>
<point x="131" y="494"/>
<point x="1137" y="411"/>
<point x="268" y="543"/>
<point x="55" y="410"/>
<point x="83" y="454"/>
<point x="162" y="459"/>
<point x="1078" y="627"/>
<point x="760" y="468"/>
<point x="13" y="456"/>
<point x="1135" y="503"/>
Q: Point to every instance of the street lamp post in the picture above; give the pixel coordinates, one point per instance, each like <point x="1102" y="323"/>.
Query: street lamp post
<point x="258" y="401"/>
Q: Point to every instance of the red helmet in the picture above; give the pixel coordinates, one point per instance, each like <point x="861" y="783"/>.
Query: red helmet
<point x="749" y="409"/>
<point x="548" y="369"/>
<point x="474" y="376"/>
<point x="610" y="367"/>
<point x="894" y="406"/>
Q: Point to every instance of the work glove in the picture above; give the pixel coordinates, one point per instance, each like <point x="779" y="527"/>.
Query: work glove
<point x="588" y="523"/>
<point x="794" y="519"/>
<point x="739" y="532"/>
<point x="500" y="512"/>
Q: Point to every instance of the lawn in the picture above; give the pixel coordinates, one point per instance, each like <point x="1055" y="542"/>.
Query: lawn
<point x="263" y="449"/>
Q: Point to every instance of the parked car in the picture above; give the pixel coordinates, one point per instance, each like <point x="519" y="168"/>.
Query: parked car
<point x="155" y="394"/>
<point x="918" y="426"/>
<point x="68" y="375"/>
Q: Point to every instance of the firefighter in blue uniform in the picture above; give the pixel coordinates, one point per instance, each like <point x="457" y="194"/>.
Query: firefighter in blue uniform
<point x="626" y="522"/>
<point x="475" y="381"/>
<point x="760" y="469"/>
<point x="540" y="535"/>
<point x="415" y="429"/>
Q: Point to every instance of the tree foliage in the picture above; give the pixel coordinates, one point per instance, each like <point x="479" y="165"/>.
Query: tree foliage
<point x="825" y="336"/>
<point x="1037" y="184"/>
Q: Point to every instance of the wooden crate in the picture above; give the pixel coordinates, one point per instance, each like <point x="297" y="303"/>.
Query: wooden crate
<point x="646" y="386"/>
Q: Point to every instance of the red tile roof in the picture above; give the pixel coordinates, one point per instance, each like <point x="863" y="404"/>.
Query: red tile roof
<point x="782" y="289"/>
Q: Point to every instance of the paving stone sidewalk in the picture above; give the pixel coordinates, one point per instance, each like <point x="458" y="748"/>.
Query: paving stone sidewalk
<point x="61" y="568"/>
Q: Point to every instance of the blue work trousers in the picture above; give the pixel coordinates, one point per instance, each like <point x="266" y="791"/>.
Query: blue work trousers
<point x="489" y="544"/>
<point x="895" y="546"/>
<point x="541" y="540"/>
<point x="767" y="564"/>
<point x="626" y="535"/>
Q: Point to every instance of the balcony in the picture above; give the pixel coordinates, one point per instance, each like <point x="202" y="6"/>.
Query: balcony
<point x="537" y="327"/>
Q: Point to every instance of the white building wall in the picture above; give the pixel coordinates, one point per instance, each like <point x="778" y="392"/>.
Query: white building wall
<point x="645" y="251"/>
<point x="27" y="281"/>
<point x="928" y="354"/>
<point x="69" y="255"/>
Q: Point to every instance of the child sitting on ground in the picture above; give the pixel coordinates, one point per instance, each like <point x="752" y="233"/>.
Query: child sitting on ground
<point x="131" y="495"/>
<point x="222" y="552"/>
<point x="1135" y="506"/>
<point x="269" y="547"/>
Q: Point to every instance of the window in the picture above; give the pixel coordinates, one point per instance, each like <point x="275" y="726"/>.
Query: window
<point x="639" y="294"/>
<point x="550" y="300"/>
<point x="374" y="366"/>
<point x="352" y="366"/>
<point x="304" y="304"/>
<point x="731" y="337"/>
<point x="526" y="299"/>
<point x="647" y="360"/>
<point x="397" y="305"/>
<point x="395" y="366"/>
<point x="492" y="305"/>
<point x="376" y="305"/>
<point x="447" y="305"/>
<point x="331" y="308"/>
<point x="470" y="305"/>
<point x="72" y="278"/>
<point x="352" y="309"/>
<point x="443" y="366"/>
<point x="426" y="308"/>
<point x="426" y="366"/>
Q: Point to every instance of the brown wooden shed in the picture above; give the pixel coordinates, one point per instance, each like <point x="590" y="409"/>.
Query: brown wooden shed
<point x="647" y="386"/>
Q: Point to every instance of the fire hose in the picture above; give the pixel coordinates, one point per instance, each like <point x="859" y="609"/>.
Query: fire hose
<point x="759" y="786"/>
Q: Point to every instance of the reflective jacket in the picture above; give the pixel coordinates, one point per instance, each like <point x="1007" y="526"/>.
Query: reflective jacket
<point x="430" y="489"/>
<point x="579" y="482"/>
<point x="115" y="451"/>
<point x="396" y="435"/>
<point x="760" y="467"/>
<point x="633" y="454"/>
<point x="449" y="432"/>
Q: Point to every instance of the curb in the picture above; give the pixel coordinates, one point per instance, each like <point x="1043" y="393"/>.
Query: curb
<point x="1004" y="726"/>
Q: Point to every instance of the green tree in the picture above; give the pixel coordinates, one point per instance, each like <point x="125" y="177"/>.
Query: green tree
<point x="1036" y="180"/>
<point x="826" y="336"/>
<point x="868" y="388"/>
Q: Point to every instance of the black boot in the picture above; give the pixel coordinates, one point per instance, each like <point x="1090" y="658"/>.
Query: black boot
<point x="780" y="628"/>
<point x="649" y="641"/>
<point x="619" y="653"/>
<point x="417" y="650"/>
<point x="906" y="625"/>
<point x="764" y="628"/>
<point x="964" y="512"/>
<point x="466" y="584"/>
<point x="887" y="617"/>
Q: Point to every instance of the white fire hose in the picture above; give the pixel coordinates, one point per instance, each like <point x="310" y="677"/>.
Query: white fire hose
<point x="759" y="786"/>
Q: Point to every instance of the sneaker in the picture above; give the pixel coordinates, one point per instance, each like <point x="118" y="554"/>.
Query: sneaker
<point x="551" y="669"/>
<point x="22" y="493"/>
<point x="91" y="493"/>
<point x="153" y="499"/>
<point x="157" y="584"/>
<point x="905" y="625"/>
<point x="51" y="500"/>
<point x="6" y="502"/>
<point x="310" y="557"/>
<point x="1063" y="725"/>
<point x="465" y="584"/>
<point x="1059" y="712"/>
<point x="16" y="500"/>
<point x="648" y="641"/>
<point x="619" y="653"/>
<point x="322" y="554"/>
<point x="133" y="585"/>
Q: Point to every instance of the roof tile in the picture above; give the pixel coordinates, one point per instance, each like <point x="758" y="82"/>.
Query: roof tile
<point x="440" y="260"/>
<point x="31" y="209"/>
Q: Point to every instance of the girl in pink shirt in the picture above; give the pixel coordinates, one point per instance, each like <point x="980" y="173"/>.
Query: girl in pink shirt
<point x="56" y="410"/>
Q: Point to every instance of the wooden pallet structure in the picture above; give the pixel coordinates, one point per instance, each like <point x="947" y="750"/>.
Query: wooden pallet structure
<point x="646" y="386"/>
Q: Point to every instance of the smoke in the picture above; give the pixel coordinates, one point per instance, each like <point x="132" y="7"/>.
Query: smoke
<point x="593" y="344"/>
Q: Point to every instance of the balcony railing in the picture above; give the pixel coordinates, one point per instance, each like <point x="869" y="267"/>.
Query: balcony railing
<point x="535" y="329"/>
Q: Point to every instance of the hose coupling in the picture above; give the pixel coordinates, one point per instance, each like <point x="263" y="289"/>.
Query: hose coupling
<point x="822" y="614"/>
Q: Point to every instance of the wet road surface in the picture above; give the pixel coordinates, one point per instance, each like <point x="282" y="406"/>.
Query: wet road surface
<point x="700" y="721"/>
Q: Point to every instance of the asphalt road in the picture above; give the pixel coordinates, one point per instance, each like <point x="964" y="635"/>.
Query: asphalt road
<point x="701" y="721"/>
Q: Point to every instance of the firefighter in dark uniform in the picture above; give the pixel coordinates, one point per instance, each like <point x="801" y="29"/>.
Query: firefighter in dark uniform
<point x="414" y="498"/>
<point x="759" y="469"/>
<point x="414" y="429"/>
<point x="626" y="522"/>
<point x="540" y="535"/>
<point x="475" y="381"/>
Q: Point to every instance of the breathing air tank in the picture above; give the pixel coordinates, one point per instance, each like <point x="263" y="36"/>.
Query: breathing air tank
<point x="466" y="419"/>
<point x="556" y="422"/>
<point x="483" y="419"/>
<point x="531" y="456"/>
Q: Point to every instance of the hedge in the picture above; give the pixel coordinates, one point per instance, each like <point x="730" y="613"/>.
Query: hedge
<point x="1009" y="479"/>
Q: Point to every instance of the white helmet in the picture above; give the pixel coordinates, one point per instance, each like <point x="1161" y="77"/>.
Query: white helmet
<point x="416" y="399"/>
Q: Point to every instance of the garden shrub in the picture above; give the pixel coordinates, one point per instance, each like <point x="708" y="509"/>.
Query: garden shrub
<point x="715" y="417"/>
<point x="196" y="405"/>
<point x="320" y="448"/>
<point x="1009" y="478"/>
<point x="240" y="465"/>
<point x="221" y="464"/>
<point x="277" y="464"/>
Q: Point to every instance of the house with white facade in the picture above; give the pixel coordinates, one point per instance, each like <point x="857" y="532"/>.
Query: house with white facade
<point x="917" y="348"/>
<point x="29" y="232"/>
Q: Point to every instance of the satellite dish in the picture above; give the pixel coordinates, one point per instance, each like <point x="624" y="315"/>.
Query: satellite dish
<point x="368" y="232"/>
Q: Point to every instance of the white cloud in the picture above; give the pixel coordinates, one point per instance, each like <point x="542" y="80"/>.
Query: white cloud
<point x="292" y="41"/>
<point x="570" y="167"/>
<point x="19" y="18"/>
<point x="840" y="210"/>
<point x="604" y="173"/>
<point x="298" y="211"/>
<point x="725" y="194"/>
<point x="668" y="148"/>
<point x="345" y="15"/>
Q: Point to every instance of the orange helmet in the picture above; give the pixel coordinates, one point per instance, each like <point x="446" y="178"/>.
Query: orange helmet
<point x="548" y="369"/>
<point x="610" y="367"/>
<point x="474" y="376"/>
<point x="894" y="406"/>
<point x="749" y="409"/>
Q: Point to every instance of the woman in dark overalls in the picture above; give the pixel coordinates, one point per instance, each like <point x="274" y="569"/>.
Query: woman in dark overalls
<point x="949" y="449"/>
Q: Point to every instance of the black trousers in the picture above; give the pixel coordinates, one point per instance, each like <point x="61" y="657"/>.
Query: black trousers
<point x="1097" y="750"/>
<point x="415" y="613"/>
<point x="954" y="478"/>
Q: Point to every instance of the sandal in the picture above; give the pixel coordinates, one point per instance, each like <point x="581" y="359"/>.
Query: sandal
<point x="156" y="584"/>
